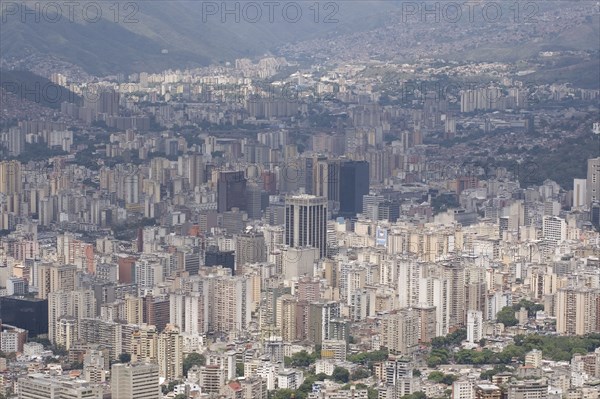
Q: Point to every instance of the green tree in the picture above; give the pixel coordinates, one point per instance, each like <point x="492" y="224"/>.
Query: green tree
<point x="340" y="374"/>
<point x="359" y="374"/>
<point x="191" y="360"/>
<point x="124" y="358"/>
<point x="239" y="369"/>
<point x="507" y="316"/>
<point x="302" y="359"/>
<point x="283" y="394"/>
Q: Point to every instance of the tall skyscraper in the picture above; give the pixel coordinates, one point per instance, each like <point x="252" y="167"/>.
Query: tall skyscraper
<point x="353" y="185"/>
<point x="138" y="381"/>
<point x="10" y="177"/>
<point x="306" y="222"/>
<point x="400" y="331"/>
<point x="231" y="191"/>
<point x="577" y="311"/>
<point x="170" y="353"/>
<point x="580" y="193"/>
<point x="474" y="326"/>
<point x="593" y="181"/>
<point x="250" y="247"/>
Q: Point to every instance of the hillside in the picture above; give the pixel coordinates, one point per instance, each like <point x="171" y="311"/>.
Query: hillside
<point x="161" y="34"/>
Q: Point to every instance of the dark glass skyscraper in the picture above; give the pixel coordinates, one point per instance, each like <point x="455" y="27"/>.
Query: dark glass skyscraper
<point x="30" y="314"/>
<point x="354" y="183"/>
<point x="231" y="191"/>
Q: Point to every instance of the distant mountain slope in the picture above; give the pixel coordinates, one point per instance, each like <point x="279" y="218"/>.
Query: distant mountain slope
<point x="29" y="86"/>
<point x="189" y="36"/>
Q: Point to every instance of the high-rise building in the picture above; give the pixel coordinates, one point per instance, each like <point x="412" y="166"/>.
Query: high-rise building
<point x="253" y="201"/>
<point x="354" y="184"/>
<point x="70" y="304"/>
<point x="593" y="181"/>
<point x="285" y="319"/>
<point x="30" y="314"/>
<point x="170" y="353"/>
<point x="577" y="311"/>
<point x="10" y="177"/>
<point x="250" y="248"/>
<point x="52" y="277"/>
<point x="474" y="326"/>
<point x="399" y="331"/>
<point x="136" y="380"/>
<point x="306" y="222"/>
<point x="554" y="229"/>
<point x="231" y="191"/>
<point x="580" y="193"/>
<point x="231" y="304"/>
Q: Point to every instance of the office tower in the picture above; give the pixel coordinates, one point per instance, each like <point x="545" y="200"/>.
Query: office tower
<point x="170" y="353"/>
<point x="399" y="331"/>
<point x="370" y="202"/>
<point x="577" y="311"/>
<point x="388" y="210"/>
<point x="306" y="222"/>
<point x="580" y="193"/>
<point x="353" y="185"/>
<point x="474" y="326"/>
<point x="15" y="141"/>
<point x="136" y="380"/>
<point x="215" y="257"/>
<point x="250" y="248"/>
<point x="231" y="191"/>
<point x="253" y="201"/>
<point x="30" y="314"/>
<point x="132" y="188"/>
<point x="595" y="214"/>
<point x="593" y="181"/>
<point x="326" y="178"/>
<point x="44" y="386"/>
<point x="10" y="177"/>
<point x="554" y="229"/>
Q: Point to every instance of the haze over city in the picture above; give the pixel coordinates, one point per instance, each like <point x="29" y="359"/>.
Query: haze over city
<point x="299" y="199"/>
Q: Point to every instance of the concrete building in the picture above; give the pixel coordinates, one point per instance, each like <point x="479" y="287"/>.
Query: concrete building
<point x="135" y="380"/>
